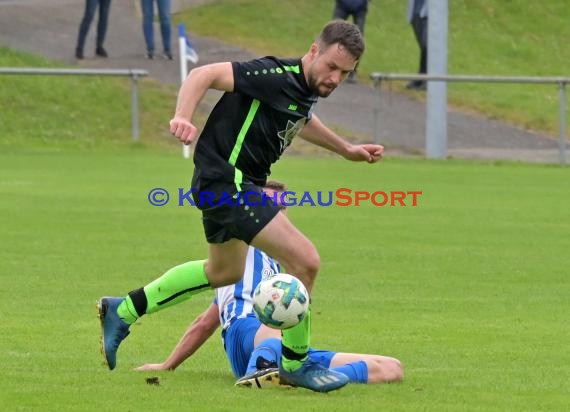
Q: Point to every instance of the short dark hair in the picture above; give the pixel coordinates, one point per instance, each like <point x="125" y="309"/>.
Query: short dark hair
<point x="346" y="34"/>
<point x="275" y="185"/>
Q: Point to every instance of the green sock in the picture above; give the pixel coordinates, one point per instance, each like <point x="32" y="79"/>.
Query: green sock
<point x="175" y="286"/>
<point x="295" y="342"/>
<point x="127" y="311"/>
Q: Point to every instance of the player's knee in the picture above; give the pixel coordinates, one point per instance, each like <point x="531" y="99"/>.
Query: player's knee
<point x="393" y="370"/>
<point x="397" y="371"/>
<point x="384" y="369"/>
<point x="219" y="276"/>
<point x="312" y="264"/>
<point x="306" y="268"/>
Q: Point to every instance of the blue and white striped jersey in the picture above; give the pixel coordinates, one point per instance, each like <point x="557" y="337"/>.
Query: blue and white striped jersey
<point x="236" y="301"/>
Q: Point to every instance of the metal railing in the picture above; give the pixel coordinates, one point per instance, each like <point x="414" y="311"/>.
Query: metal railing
<point x="134" y="74"/>
<point x="378" y="78"/>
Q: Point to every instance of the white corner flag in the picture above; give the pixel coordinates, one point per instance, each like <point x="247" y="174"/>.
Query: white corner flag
<point x="187" y="53"/>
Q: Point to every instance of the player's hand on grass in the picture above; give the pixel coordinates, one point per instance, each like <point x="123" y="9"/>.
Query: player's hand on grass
<point x="370" y="153"/>
<point x="184" y="130"/>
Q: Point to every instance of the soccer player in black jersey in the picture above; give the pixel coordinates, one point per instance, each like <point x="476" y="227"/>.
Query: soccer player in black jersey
<point x="266" y="103"/>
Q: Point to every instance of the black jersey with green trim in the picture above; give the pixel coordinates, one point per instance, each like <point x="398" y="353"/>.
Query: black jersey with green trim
<point x="250" y="127"/>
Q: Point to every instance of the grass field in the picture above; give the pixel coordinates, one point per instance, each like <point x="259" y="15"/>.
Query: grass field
<point x="469" y="288"/>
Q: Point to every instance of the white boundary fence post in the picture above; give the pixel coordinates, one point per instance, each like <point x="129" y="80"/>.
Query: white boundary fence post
<point x="436" y="108"/>
<point x="183" y="72"/>
<point x="187" y="53"/>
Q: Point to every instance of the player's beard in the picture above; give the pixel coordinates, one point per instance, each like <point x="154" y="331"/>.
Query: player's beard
<point x="314" y="86"/>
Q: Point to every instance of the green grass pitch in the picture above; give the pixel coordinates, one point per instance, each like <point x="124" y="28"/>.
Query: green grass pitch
<point x="469" y="288"/>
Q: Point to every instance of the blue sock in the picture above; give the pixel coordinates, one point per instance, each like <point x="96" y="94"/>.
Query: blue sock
<point x="269" y="349"/>
<point x="357" y="372"/>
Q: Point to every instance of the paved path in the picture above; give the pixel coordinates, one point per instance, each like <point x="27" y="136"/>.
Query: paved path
<point x="49" y="28"/>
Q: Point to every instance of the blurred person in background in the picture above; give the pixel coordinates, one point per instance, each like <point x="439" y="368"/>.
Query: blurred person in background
<point x="357" y="9"/>
<point x="148" y="26"/>
<point x="90" y="9"/>
<point x="418" y="18"/>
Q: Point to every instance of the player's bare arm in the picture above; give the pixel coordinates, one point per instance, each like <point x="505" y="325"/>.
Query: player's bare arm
<point x="197" y="333"/>
<point x="317" y="133"/>
<point x="218" y="76"/>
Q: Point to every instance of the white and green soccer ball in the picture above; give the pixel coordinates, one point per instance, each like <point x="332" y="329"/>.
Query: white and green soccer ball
<point x="281" y="301"/>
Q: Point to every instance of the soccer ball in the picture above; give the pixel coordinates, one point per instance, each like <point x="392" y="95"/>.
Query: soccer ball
<point x="280" y="301"/>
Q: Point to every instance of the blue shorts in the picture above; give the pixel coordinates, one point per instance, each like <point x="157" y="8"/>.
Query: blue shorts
<point x="238" y="341"/>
